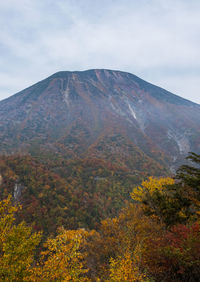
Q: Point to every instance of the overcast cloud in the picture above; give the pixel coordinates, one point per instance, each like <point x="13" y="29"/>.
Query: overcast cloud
<point x="158" y="40"/>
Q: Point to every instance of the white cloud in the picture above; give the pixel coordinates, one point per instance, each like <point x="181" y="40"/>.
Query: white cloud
<point x="142" y="37"/>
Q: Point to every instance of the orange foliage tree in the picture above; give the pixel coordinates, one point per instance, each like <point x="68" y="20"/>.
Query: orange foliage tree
<point x="63" y="259"/>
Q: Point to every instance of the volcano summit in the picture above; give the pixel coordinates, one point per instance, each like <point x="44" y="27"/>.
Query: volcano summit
<point x="105" y="114"/>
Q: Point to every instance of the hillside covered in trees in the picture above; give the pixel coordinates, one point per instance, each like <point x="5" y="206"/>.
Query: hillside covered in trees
<point x="72" y="193"/>
<point x="154" y="237"/>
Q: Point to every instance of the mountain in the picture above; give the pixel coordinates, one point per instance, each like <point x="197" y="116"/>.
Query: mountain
<point x="103" y="114"/>
<point x="73" y="146"/>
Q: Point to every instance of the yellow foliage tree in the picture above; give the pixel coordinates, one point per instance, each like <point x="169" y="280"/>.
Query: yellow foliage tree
<point x="161" y="198"/>
<point x="17" y="245"/>
<point x="150" y="186"/>
<point x="62" y="260"/>
<point x="120" y="244"/>
<point x="126" y="268"/>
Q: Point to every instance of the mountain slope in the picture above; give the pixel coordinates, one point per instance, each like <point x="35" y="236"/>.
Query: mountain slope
<point x="106" y="114"/>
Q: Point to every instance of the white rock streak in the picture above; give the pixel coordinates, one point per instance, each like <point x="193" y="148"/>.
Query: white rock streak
<point x="132" y="111"/>
<point x="66" y="94"/>
<point x="181" y="141"/>
<point x="66" y="97"/>
<point x="17" y="191"/>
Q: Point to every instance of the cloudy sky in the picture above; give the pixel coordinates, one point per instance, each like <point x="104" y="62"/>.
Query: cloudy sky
<point x="157" y="40"/>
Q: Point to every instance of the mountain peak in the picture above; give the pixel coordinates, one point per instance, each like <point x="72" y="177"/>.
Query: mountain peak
<point x="120" y="77"/>
<point x="81" y="109"/>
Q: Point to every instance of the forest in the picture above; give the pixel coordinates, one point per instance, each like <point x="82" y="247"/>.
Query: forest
<point x="84" y="221"/>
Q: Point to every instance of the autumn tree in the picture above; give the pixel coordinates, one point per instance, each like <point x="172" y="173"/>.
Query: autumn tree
<point x="117" y="249"/>
<point x="188" y="185"/>
<point x="63" y="259"/>
<point x="126" y="268"/>
<point x="174" y="255"/>
<point x="157" y="199"/>
<point x="17" y="245"/>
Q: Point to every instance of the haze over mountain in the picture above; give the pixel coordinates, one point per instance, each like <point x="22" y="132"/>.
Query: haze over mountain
<point x="106" y="114"/>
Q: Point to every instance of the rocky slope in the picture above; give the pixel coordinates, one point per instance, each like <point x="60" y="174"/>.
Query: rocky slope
<point x="105" y="114"/>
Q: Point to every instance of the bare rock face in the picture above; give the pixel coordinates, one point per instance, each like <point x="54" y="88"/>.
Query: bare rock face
<point x="103" y="113"/>
<point x="17" y="191"/>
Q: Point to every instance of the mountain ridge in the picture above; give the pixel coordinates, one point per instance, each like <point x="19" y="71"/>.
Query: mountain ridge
<point x="102" y="113"/>
<point x="60" y="73"/>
